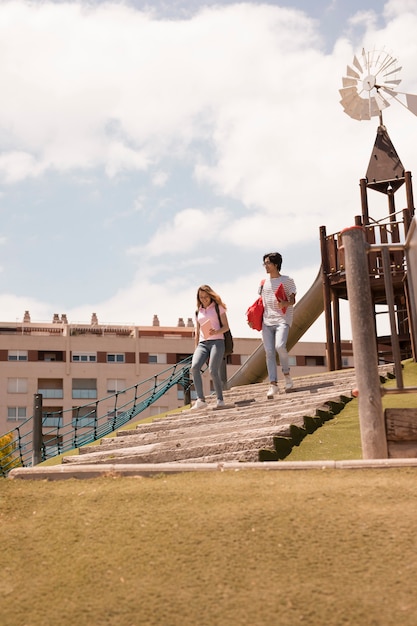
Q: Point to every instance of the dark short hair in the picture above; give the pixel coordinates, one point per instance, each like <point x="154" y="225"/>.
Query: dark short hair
<point x="275" y="258"/>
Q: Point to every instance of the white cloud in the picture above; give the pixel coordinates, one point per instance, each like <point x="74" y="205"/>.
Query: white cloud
<point x="239" y="100"/>
<point x="160" y="178"/>
<point x="16" y="166"/>
<point x="187" y="231"/>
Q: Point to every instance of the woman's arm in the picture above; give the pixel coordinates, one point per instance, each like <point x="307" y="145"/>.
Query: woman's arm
<point x="225" y="324"/>
<point x="223" y="328"/>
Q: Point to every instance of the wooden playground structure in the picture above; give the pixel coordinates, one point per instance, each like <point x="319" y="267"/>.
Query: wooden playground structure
<point x="385" y="175"/>
<point x="373" y="264"/>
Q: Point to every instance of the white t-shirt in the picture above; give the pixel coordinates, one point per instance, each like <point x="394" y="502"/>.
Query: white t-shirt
<point x="273" y="315"/>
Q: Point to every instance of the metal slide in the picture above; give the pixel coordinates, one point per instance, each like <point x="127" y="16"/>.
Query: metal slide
<point x="306" y="312"/>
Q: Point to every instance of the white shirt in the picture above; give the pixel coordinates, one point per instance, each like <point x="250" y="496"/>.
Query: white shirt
<point x="273" y="315"/>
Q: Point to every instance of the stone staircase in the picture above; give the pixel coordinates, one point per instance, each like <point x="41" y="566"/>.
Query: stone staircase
<point x="249" y="429"/>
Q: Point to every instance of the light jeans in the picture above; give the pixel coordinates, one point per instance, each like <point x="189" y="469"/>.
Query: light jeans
<point x="275" y="340"/>
<point x="214" y="351"/>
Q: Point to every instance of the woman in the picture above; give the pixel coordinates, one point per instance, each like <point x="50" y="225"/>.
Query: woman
<point x="209" y="343"/>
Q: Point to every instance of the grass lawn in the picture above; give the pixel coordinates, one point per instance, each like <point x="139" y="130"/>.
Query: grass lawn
<point x="339" y="438"/>
<point x="309" y="548"/>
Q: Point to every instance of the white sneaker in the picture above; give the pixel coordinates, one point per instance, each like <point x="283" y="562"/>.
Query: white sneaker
<point x="272" y="391"/>
<point x="199" y="404"/>
<point x="288" y="382"/>
<point x="220" y="404"/>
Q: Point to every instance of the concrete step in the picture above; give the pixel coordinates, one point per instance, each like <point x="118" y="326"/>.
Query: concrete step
<point x="272" y="413"/>
<point x="249" y="429"/>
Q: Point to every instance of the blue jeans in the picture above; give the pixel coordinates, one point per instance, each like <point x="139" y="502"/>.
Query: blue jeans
<point x="275" y="340"/>
<point x="214" y="351"/>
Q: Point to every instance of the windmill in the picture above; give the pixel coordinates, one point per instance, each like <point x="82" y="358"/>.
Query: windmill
<point x="369" y="85"/>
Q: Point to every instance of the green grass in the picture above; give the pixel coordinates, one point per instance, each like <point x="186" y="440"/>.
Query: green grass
<point x="253" y="547"/>
<point x="339" y="438"/>
<point x="288" y="548"/>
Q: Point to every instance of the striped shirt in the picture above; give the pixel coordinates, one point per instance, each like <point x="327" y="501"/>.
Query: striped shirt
<point x="273" y="315"/>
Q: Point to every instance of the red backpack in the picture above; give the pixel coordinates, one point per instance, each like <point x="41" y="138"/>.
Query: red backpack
<point x="255" y="312"/>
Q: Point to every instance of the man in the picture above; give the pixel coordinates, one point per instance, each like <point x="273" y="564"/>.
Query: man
<point x="278" y="296"/>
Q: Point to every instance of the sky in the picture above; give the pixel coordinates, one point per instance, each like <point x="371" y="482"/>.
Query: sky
<point x="147" y="148"/>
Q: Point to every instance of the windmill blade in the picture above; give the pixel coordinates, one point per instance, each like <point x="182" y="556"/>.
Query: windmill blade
<point x="411" y="100"/>
<point x="348" y="99"/>
<point x="394" y="71"/>
<point x="349" y="82"/>
<point x="350" y="72"/>
<point x="356" y="107"/>
<point x="393" y="82"/>
<point x="366" y="110"/>
<point x="357" y="64"/>
<point x="381" y="102"/>
<point x="386" y="65"/>
<point x="389" y="91"/>
<point x="365" y="59"/>
<point x="347" y="91"/>
<point x="374" y="108"/>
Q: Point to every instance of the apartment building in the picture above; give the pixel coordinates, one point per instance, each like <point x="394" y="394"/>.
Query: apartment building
<point x="72" y="365"/>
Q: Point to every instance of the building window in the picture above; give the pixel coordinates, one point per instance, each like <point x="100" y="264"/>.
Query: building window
<point x="15" y="413"/>
<point x="292" y="361"/>
<point x="315" y="361"/>
<point x="84" y="388"/>
<point x="17" y="385"/>
<point x="112" y="414"/>
<point x="50" y="357"/>
<point x="157" y="358"/>
<point x="83" y="417"/>
<point x="115" y="358"/>
<point x="51" y="387"/>
<point x="17" y="355"/>
<point x="158" y="410"/>
<point x="116" y="385"/>
<point x="181" y="393"/>
<point x="84" y="357"/>
<point x="52" y="417"/>
<point x="53" y="445"/>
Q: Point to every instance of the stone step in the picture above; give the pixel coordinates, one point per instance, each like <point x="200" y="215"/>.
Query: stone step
<point x="304" y="397"/>
<point x="184" y="449"/>
<point x="255" y="416"/>
<point x="249" y="429"/>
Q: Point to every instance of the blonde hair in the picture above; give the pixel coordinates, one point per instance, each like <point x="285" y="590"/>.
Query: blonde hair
<point x="213" y="295"/>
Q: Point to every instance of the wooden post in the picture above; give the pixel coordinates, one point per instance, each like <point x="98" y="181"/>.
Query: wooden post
<point x="389" y="292"/>
<point x="409" y="192"/>
<point x="337" y="337"/>
<point x="327" y="300"/>
<point x="364" y="201"/>
<point x="37" y="429"/>
<point x="371" y="416"/>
